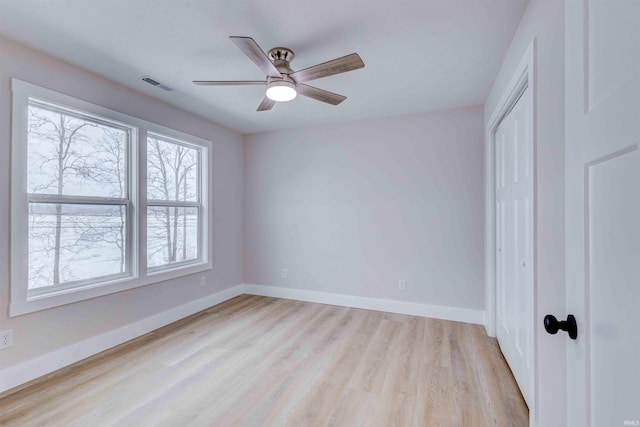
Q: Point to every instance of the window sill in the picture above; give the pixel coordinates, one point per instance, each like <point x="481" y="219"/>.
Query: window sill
<point x="70" y="296"/>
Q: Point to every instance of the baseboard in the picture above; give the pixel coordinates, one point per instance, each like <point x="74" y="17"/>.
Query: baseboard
<point x="377" y="304"/>
<point x="31" y="369"/>
<point x="487" y="325"/>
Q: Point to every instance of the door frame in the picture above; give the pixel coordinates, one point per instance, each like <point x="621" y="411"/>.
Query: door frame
<point x="524" y="76"/>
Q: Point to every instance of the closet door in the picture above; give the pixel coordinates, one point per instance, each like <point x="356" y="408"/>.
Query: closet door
<point x="514" y="241"/>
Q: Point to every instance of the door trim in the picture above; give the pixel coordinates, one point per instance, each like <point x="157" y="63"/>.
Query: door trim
<point x="524" y="76"/>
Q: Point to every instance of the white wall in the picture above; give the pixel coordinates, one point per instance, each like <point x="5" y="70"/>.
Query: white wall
<point x="41" y="332"/>
<point x="353" y="208"/>
<point x="544" y="19"/>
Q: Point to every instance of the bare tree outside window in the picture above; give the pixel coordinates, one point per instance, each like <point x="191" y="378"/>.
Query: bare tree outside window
<point x="173" y="202"/>
<point x="74" y="163"/>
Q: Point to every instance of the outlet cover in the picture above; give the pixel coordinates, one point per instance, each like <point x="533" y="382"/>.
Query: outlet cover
<point x="285" y="273"/>
<point x="402" y="285"/>
<point x="6" y="338"/>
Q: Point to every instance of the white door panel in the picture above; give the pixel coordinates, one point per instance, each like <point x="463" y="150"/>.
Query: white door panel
<point x="603" y="211"/>
<point x="613" y="287"/>
<point x="514" y="246"/>
<point x="612" y="43"/>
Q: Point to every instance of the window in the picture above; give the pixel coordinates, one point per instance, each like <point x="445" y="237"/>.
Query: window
<point x="173" y="202"/>
<point x="78" y="199"/>
<point x="101" y="201"/>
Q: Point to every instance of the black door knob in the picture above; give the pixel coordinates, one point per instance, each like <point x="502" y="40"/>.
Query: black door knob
<point x="552" y="325"/>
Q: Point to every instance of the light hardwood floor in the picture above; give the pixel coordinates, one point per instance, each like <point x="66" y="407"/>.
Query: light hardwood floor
<point x="258" y="361"/>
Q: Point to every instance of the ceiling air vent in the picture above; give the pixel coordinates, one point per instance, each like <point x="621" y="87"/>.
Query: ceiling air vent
<point x="156" y="84"/>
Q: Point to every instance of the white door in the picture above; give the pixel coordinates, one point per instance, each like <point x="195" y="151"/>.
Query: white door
<point x="603" y="211"/>
<point x="514" y="246"/>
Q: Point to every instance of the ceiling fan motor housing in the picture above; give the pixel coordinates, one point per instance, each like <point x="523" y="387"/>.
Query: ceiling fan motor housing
<point x="281" y="58"/>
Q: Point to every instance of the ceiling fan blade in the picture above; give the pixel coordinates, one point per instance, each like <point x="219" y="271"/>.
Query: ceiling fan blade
<point x="250" y="48"/>
<point x="229" y="82"/>
<point x="329" y="68"/>
<point x="320" y="94"/>
<point x="266" y="104"/>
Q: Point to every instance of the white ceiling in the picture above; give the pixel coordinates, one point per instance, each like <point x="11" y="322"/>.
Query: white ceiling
<point x="419" y="55"/>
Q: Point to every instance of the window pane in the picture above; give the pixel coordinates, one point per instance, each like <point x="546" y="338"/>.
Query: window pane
<point x="172" y="171"/>
<point x="172" y="235"/>
<point x="72" y="155"/>
<point x="70" y="242"/>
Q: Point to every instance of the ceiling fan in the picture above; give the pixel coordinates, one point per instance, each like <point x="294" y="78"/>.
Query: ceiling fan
<point x="283" y="84"/>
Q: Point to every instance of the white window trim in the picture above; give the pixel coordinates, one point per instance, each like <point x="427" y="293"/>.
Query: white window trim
<point x="197" y="204"/>
<point x="20" y="302"/>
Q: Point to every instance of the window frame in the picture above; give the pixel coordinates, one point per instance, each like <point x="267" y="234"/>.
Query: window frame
<point x="198" y="204"/>
<point x="20" y="300"/>
<point x="90" y="200"/>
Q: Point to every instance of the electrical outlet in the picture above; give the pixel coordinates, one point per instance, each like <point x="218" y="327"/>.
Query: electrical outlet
<point x="402" y="285"/>
<point x="203" y="280"/>
<point x="6" y="338"/>
<point x="284" y="274"/>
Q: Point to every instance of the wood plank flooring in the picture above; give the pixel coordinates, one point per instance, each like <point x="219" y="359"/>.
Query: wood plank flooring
<point x="258" y="361"/>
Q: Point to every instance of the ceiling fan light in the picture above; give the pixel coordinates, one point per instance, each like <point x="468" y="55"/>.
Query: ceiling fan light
<point x="281" y="91"/>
